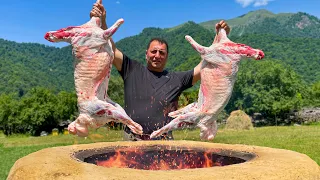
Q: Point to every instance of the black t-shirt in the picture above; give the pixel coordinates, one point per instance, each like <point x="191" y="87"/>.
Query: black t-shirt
<point x="150" y="96"/>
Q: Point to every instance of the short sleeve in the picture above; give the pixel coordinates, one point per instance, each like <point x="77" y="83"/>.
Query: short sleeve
<point x="186" y="78"/>
<point x="127" y="66"/>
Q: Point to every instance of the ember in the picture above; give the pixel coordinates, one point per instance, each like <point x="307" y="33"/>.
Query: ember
<point x="162" y="158"/>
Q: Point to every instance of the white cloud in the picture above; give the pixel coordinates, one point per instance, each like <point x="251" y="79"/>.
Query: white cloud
<point x="256" y="3"/>
<point x="261" y="3"/>
<point x="117" y="2"/>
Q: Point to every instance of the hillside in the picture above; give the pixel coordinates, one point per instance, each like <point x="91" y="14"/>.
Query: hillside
<point x="265" y="22"/>
<point x="289" y="38"/>
<point x="26" y="65"/>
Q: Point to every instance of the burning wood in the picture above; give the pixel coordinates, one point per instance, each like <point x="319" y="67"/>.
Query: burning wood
<point x="162" y="158"/>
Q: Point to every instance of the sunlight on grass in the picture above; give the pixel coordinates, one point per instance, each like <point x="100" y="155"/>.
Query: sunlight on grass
<point x="98" y="135"/>
<point x="2" y="135"/>
<point x="303" y="139"/>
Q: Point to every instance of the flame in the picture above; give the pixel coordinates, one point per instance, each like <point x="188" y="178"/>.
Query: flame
<point x="161" y="159"/>
<point x="116" y="161"/>
<point x="208" y="162"/>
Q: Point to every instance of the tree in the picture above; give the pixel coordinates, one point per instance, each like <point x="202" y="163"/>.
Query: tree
<point x="39" y="110"/>
<point x="269" y="88"/>
<point x="116" y="90"/>
<point x="9" y="109"/>
<point x="315" y="95"/>
<point x="66" y="107"/>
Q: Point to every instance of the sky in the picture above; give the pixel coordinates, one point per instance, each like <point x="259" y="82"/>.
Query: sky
<point x="29" y="20"/>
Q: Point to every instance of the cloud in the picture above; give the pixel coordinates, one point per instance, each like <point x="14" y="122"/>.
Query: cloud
<point x="261" y="3"/>
<point x="256" y="3"/>
<point x="117" y="2"/>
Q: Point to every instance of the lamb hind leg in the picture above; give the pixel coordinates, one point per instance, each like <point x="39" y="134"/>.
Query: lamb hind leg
<point x="105" y="112"/>
<point x="208" y="128"/>
<point x="80" y="125"/>
<point x="120" y="115"/>
<point x="181" y="111"/>
<point x="188" y="120"/>
<point x="97" y="113"/>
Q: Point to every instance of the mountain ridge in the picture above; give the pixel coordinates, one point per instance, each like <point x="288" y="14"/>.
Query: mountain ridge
<point x="256" y="22"/>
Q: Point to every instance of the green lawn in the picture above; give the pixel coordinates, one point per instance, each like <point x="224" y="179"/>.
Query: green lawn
<point x="303" y="139"/>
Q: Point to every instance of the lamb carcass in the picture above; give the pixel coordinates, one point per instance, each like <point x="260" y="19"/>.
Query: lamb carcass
<point x="93" y="52"/>
<point x="219" y="68"/>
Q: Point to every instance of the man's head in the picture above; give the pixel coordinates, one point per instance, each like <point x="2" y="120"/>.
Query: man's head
<point x="157" y="54"/>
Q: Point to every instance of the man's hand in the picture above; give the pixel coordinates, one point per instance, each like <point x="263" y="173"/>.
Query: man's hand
<point x="99" y="11"/>
<point x="224" y="25"/>
<point x="196" y="70"/>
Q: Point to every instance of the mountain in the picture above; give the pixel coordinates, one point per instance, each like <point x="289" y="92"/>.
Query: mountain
<point x="263" y="21"/>
<point x="26" y="65"/>
<point x="291" y="39"/>
<point x="298" y="52"/>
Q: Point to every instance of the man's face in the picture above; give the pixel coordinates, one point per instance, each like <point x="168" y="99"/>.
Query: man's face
<point x="156" y="56"/>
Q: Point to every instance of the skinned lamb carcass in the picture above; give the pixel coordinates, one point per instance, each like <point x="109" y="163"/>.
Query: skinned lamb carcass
<point x="219" y="68"/>
<point x="94" y="56"/>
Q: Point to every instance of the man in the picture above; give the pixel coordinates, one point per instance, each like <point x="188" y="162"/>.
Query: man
<point x="150" y="91"/>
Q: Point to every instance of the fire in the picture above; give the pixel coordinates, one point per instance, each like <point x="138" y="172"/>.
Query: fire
<point x="117" y="160"/>
<point x="159" y="159"/>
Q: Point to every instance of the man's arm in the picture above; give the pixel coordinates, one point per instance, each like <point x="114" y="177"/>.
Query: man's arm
<point x="99" y="11"/>
<point x="196" y="70"/>
<point x="196" y="73"/>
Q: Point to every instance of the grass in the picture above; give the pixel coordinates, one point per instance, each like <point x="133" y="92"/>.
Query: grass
<point x="303" y="139"/>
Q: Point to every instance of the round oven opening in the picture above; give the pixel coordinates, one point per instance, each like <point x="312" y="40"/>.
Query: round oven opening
<point x="160" y="157"/>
